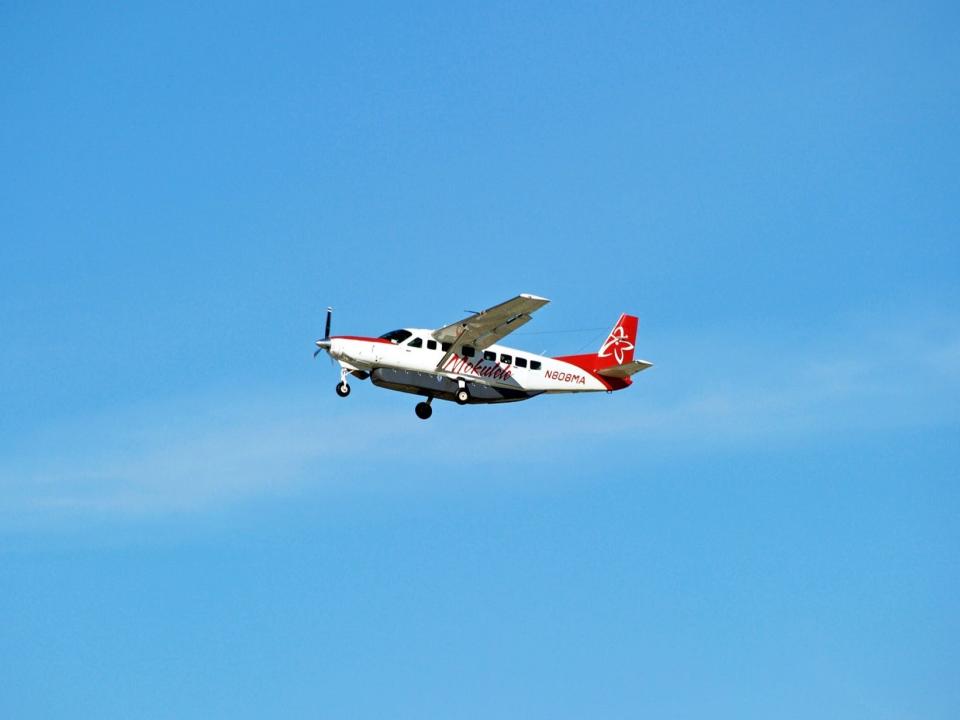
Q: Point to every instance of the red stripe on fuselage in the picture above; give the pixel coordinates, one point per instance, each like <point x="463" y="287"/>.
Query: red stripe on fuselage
<point x="592" y="363"/>
<point x="362" y="339"/>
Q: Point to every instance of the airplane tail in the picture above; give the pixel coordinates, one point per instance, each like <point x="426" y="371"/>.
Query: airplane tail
<point x="614" y="359"/>
<point x="617" y="349"/>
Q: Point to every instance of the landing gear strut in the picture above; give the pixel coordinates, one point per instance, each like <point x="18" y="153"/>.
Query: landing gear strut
<point x="342" y="388"/>
<point x="423" y="409"/>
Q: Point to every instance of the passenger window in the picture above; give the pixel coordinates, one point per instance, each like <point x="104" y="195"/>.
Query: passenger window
<point x="416" y="342"/>
<point x="505" y="359"/>
<point x="489" y="355"/>
<point x="445" y="346"/>
<point x="534" y="364"/>
<point x="521" y="362"/>
<point x="469" y="351"/>
<point x="431" y="344"/>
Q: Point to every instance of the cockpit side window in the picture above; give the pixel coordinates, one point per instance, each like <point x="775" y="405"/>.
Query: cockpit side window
<point x="396" y="336"/>
<point x="416" y="342"/>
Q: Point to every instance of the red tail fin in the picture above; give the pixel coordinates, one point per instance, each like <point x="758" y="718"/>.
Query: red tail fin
<point x="617" y="349"/>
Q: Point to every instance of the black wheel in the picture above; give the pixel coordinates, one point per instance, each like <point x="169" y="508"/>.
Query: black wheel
<point x="423" y="410"/>
<point x="343" y="389"/>
<point x="463" y="397"/>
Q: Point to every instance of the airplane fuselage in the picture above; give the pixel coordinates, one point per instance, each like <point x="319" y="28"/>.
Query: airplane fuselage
<point x="463" y="361"/>
<point x="495" y="374"/>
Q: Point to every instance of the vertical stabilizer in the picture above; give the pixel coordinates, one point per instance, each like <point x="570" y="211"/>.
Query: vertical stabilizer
<point x="618" y="348"/>
<point x="614" y="359"/>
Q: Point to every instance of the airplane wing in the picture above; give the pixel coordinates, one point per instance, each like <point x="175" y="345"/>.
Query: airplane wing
<point x="485" y="328"/>
<point x="625" y="370"/>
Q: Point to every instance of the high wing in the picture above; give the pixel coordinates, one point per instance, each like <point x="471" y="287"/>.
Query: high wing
<point x="483" y="329"/>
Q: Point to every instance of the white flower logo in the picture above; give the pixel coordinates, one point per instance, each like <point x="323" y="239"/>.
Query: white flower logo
<point x="618" y="343"/>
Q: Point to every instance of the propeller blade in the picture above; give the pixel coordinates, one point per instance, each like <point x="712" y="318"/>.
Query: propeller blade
<point x="324" y="342"/>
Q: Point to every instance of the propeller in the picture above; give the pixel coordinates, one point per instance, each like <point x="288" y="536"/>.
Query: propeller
<point x="324" y="343"/>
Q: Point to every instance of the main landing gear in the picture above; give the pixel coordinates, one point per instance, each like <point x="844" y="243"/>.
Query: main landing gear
<point x="463" y="395"/>
<point x="423" y="409"/>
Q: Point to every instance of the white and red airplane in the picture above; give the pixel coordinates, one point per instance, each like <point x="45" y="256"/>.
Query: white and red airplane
<point x="463" y="362"/>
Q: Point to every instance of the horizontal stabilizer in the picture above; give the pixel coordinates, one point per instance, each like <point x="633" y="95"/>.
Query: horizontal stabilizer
<point x="625" y="370"/>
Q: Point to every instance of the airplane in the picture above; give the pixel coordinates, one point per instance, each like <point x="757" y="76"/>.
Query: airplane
<point x="463" y="361"/>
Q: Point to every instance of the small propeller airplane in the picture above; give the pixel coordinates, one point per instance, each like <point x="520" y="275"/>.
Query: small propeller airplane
<point x="463" y="362"/>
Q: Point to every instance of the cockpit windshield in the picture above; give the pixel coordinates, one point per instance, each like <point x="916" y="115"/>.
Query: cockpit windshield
<point x="396" y="336"/>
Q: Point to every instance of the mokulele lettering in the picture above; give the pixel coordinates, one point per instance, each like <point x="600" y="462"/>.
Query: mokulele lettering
<point x="462" y="366"/>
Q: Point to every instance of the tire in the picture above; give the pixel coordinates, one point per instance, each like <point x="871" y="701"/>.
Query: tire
<point x="463" y="397"/>
<point x="343" y="389"/>
<point x="423" y="411"/>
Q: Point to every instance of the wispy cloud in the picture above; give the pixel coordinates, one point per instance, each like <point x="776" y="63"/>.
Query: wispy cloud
<point x="213" y="451"/>
<point x="741" y="393"/>
<point x="192" y="455"/>
<point x="872" y="380"/>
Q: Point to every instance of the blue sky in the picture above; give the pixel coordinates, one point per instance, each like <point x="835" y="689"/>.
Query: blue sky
<point x="764" y="525"/>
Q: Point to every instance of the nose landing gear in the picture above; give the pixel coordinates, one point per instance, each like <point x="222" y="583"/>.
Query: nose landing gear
<point x="342" y="388"/>
<point x="423" y="409"/>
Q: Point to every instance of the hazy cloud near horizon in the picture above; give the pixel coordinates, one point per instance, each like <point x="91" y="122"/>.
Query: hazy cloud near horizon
<point x="196" y="453"/>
